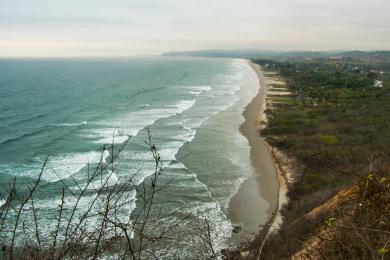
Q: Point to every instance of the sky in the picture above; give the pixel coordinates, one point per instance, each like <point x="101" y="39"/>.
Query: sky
<point x="71" y="28"/>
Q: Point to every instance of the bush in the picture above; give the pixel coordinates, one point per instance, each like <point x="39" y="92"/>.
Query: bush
<point x="328" y="139"/>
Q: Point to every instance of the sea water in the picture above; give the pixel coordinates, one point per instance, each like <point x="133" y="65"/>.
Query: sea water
<point x="69" y="109"/>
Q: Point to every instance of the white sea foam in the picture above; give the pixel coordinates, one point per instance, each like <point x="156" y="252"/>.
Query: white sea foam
<point x="132" y="123"/>
<point x="237" y="185"/>
<point x="106" y="136"/>
<point x="104" y="181"/>
<point x="58" y="167"/>
<point x="72" y="124"/>
<point x="168" y="151"/>
<point x="89" y="202"/>
<point x="180" y="107"/>
<point x="220" y="226"/>
<point x="193" y="123"/>
<point x="176" y="165"/>
<point x="188" y="136"/>
<point x="197" y="90"/>
<point x="64" y="166"/>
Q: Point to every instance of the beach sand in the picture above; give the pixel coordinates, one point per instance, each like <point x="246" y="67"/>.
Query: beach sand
<point x="257" y="199"/>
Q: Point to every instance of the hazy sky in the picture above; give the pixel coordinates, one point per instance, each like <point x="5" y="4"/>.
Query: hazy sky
<point x="143" y="27"/>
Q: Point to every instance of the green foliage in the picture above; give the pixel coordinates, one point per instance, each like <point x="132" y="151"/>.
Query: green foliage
<point x="330" y="221"/>
<point x="336" y="124"/>
<point x="382" y="251"/>
<point x="328" y="139"/>
<point x="334" y="109"/>
<point x="282" y="142"/>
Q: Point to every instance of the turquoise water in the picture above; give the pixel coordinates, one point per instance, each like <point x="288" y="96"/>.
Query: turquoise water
<point x="69" y="109"/>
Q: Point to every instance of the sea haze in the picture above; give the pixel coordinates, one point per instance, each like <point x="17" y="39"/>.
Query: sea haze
<point x="68" y="109"/>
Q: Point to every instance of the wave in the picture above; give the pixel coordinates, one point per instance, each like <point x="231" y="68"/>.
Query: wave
<point x="64" y="166"/>
<point x="179" y="107"/>
<point x="144" y="91"/>
<point x="61" y="166"/>
<point x="108" y="179"/>
<point x="39" y="131"/>
<point x="18" y="138"/>
<point x="106" y="136"/>
<point x="71" y="124"/>
<point x="237" y="185"/>
<point x="187" y="137"/>
<point x="222" y="227"/>
<point x="25" y="119"/>
<point x="167" y="150"/>
<point x="132" y="123"/>
<point x="45" y="208"/>
<point x="210" y="100"/>
<point x="197" y="90"/>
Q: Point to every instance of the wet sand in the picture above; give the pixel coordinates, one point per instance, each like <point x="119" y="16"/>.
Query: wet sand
<point x="257" y="199"/>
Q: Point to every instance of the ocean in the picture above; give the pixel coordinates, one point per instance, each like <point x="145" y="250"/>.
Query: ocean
<point x="69" y="109"/>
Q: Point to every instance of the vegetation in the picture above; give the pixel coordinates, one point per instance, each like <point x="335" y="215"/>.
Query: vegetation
<point x="336" y="123"/>
<point x="335" y="115"/>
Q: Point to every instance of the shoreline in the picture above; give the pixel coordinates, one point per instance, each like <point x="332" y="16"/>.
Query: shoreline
<point x="256" y="206"/>
<point x="283" y="170"/>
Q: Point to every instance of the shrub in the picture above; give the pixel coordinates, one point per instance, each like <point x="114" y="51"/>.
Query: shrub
<point x="328" y="139"/>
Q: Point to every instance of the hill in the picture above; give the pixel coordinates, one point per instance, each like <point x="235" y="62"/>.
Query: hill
<point x="357" y="55"/>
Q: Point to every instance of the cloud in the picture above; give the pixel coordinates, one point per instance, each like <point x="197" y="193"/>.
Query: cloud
<point x="131" y="27"/>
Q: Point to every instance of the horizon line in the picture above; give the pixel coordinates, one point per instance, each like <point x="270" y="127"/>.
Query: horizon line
<point x="187" y="51"/>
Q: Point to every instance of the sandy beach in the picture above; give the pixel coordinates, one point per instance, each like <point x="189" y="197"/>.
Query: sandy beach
<point x="257" y="200"/>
